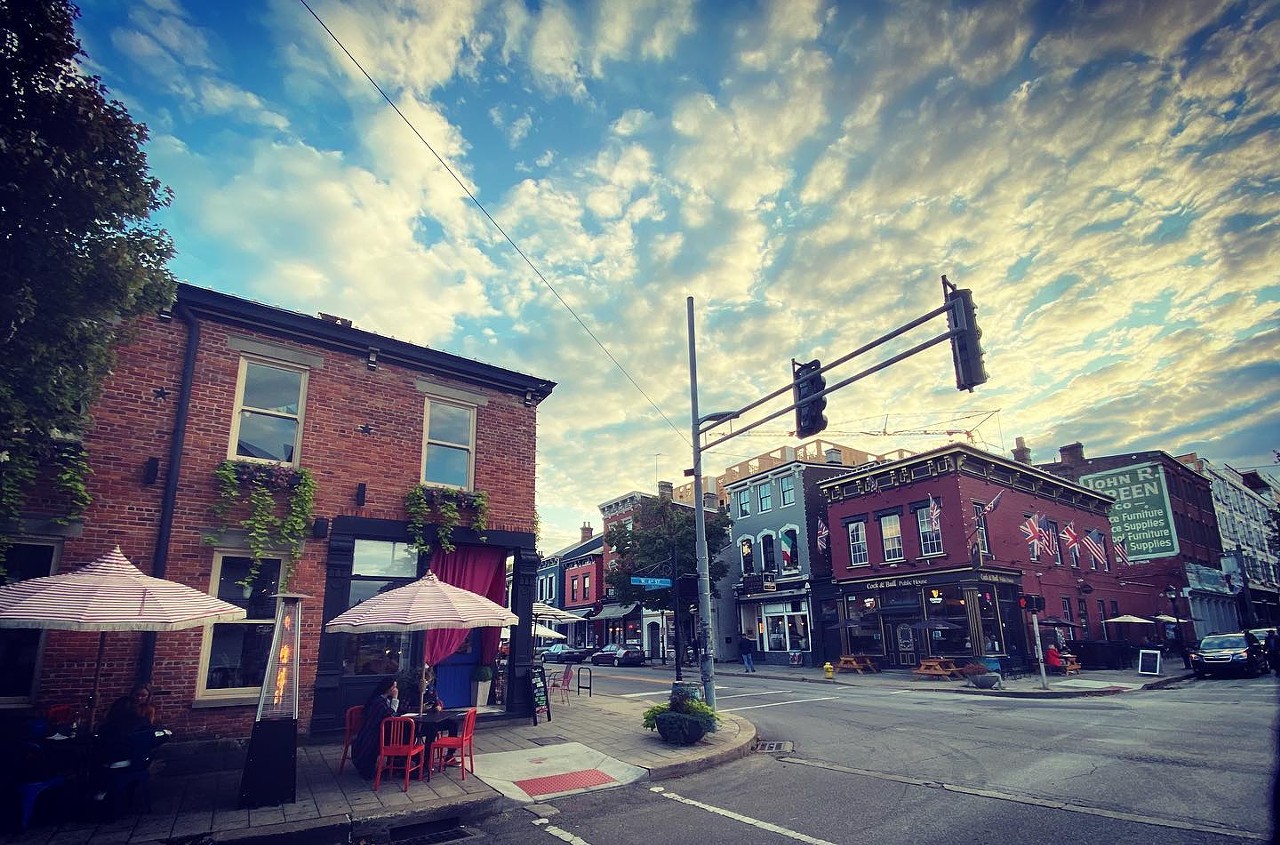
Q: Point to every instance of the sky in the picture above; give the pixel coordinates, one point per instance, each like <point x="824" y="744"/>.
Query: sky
<point x="1102" y="175"/>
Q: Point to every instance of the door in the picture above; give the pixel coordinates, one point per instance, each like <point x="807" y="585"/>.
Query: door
<point x="904" y="637"/>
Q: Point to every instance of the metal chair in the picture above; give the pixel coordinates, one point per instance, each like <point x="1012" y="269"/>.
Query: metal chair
<point x="399" y="744"/>
<point x="561" y="682"/>
<point x="463" y="744"/>
<point x="354" y="719"/>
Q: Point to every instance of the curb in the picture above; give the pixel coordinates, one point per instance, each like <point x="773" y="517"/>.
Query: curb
<point x="737" y="748"/>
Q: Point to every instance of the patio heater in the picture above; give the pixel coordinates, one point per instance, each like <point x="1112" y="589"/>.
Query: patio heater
<point x="270" y="774"/>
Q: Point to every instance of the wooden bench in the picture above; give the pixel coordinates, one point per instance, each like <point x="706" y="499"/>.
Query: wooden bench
<point x="937" y="667"/>
<point x="856" y="663"/>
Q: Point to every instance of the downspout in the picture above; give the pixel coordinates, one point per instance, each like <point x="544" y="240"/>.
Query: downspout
<point x="160" y="559"/>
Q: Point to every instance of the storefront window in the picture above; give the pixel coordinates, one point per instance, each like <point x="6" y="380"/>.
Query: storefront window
<point x="945" y="606"/>
<point x="865" y="625"/>
<point x="787" y="627"/>
<point x="377" y="567"/>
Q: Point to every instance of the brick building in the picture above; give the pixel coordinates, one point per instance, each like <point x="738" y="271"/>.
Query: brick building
<point x="220" y="378"/>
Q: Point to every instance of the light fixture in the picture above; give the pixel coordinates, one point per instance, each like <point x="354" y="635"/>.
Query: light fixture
<point x="151" y="471"/>
<point x="362" y="491"/>
<point x="371" y="363"/>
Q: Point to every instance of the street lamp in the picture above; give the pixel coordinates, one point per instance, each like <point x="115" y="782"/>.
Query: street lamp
<point x="1171" y="593"/>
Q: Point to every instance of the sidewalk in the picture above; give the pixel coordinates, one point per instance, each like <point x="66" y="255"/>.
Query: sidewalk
<point x="590" y="743"/>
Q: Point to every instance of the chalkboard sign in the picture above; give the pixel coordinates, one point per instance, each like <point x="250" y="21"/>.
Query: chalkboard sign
<point x="1148" y="662"/>
<point x="538" y="690"/>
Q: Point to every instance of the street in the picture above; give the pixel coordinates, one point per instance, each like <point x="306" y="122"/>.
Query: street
<point x="1192" y="763"/>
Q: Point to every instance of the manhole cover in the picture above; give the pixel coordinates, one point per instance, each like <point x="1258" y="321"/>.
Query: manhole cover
<point x="774" y="747"/>
<point x="429" y="833"/>
<point x="549" y="740"/>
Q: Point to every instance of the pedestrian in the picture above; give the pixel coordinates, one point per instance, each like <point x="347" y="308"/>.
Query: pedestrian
<point x="747" y="648"/>
<point x="1273" y="651"/>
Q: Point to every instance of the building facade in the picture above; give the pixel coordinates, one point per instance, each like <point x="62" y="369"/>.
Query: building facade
<point x="583" y="559"/>
<point x="219" y="394"/>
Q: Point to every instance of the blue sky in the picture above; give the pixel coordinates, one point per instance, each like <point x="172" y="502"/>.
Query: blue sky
<point x="1103" y="176"/>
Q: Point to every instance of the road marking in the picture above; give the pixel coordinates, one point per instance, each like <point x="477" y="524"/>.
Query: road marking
<point x="1034" y="801"/>
<point x="560" y="833"/>
<point x="644" y="694"/>
<point x="749" y="694"/>
<point x="775" y="704"/>
<point x="729" y="814"/>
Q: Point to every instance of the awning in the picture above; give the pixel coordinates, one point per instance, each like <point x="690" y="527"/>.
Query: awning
<point x="614" y="611"/>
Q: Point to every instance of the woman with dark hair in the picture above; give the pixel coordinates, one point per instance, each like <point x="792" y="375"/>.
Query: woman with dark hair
<point x="382" y="703"/>
<point x="131" y="712"/>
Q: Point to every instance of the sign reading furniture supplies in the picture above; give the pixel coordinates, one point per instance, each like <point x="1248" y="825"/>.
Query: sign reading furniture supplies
<point x="1141" y="515"/>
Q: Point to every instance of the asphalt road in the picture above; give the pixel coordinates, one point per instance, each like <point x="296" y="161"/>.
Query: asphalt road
<point x="1190" y="764"/>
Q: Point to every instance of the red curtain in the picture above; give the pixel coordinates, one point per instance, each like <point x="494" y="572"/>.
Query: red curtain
<point x="482" y="570"/>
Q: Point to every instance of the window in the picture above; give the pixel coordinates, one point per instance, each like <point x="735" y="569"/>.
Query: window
<point x="767" y="552"/>
<point x="1066" y="608"/>
<point x="376" y="567"/>
<point x="20" y="647"/>
<point x="1033" y="546"/>
<point x="787" y="490"/>
<point x="1074" y="554"/>
<point x="1115" y="608"/>
<point x="930" y="538"/>
<point x="1102" y="613"/>
<point x="448" y="453"/>
<point x="748" y="558"/>
<point x="790" y="542"/>
<point x="586" y="587"/>
<point x="891" y="536"/>
<point x="573" y="588"/>
<point x="235" y="653"/>
<point x="268" y="418"/>
<point x="743" y="498"/>
<point x="858" y="544"/>
<point x="980" y="519"/>
<point x="764" y="496"/>
<point x="786" y="627"/>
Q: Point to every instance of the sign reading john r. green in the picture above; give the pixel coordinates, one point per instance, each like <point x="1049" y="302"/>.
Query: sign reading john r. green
<point x="1141" y="515"/>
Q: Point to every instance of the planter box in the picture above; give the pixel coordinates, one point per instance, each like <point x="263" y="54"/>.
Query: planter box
<point x="680" y="728"/>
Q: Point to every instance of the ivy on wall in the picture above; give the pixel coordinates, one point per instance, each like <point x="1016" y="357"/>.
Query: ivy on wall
<point x="443" y="507"/>
<point x="263" y="486"/>
<point x="18" y="473"/>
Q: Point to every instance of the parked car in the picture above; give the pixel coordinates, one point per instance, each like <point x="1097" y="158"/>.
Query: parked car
<point x="562" y="653"/>
<point x="619" y="655"/>
<point x="1219" y="654"/>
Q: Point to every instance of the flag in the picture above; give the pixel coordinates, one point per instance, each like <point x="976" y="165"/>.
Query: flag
<point x="1122" y="550"/>
<point x="991" y="505"/>
<point x="1031" y="530"/>
<point x="935" y="514"/>
<point x="1092" y="541"/>
<point x="1047" y="538"/>
<point x="823" y="535"/>
<point x="1070" y="536"/>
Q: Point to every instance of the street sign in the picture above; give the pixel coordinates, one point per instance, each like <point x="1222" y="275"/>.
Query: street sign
<point x="650" y="583"/>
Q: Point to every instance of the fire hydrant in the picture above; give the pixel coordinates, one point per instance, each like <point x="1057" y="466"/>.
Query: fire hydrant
<point x="829" y="671"/>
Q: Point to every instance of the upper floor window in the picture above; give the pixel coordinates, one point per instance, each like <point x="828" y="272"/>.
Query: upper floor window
<point x="586" y="587"/>
<point x="787" y="490"/>
<point x="930" y="538"/>
<point x="573" y="588"/>
<point x="891" y="536"/>
<point x="743" y="498"/>
<point x="980" y="519"/>
<point x="748" y="557"/>
<point x="790" y="558"/>
<point x="764" y="496"/>
<point x="268" y="418"/>
<point x="858" y="544"/>
<point x="448" y="454"/>
<point x="767" y="551"/>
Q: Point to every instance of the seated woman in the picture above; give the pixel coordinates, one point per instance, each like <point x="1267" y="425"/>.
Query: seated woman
<point x="382" y="703"/>
<point x="1053" y="660"/>
<point x="130" y="717"/>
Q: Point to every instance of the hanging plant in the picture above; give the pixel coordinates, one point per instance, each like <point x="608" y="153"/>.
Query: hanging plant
<point x="19" y="469"/>
<point x="442" y="507"/>
<point x="263" y="484"/>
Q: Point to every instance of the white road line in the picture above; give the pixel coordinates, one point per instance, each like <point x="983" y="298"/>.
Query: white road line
<point x="644" y="694"/>
<point x="750" y="694"/>
<point x="775" y="704"/>
<point x="729" y="814"/>
<point x="560" y="833"/>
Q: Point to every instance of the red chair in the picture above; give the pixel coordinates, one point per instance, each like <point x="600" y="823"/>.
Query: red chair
<point x="59" y="714"/>
<point x="463" y="745"/>
<point x="561" y="682"/>
<point x="355" y="718"/>
<point x="398" y="751"/>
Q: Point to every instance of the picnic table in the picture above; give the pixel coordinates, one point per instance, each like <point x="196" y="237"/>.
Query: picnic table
<point x="937" y="667"/>
<point x="856" y="663"/>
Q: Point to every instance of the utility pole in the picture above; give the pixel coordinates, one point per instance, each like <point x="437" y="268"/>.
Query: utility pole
<point x="707" y="664"/>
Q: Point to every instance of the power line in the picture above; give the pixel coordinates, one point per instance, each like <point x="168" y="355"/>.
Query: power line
<point x="495" y="223"/>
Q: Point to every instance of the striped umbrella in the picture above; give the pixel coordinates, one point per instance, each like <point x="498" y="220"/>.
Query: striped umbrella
<point x="110" y="594"/>
<point x="427" y="604"/>
<point x="549" y="613"/>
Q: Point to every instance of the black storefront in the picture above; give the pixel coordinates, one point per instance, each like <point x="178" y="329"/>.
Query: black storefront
<point x="958" y="613"/>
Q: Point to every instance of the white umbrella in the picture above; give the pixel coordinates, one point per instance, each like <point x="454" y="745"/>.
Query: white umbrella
<point x="110" y="594"/>
<point x="547" y="633"/>
<point x="1129" y="617"/>
<point x="1164" y="617"/>
<point x="427" y="604"/>
<point x="547" y="613"/>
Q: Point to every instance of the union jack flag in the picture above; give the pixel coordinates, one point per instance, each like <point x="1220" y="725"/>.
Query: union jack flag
<point x="1070" y="536"/>
<point x="935" y="514"/>
<point x="1031" y="531"/>
<point x="1092" y="541"/>
<point x="1121" y="547"/>
<point x="991" y="505"/>
<point x="824" y="535"/>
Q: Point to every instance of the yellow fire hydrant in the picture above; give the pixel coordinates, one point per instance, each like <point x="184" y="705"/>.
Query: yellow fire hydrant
<point x="829" y="670"/>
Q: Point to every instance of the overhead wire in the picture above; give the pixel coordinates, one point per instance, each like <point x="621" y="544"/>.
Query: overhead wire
<point x="495" y="223"/>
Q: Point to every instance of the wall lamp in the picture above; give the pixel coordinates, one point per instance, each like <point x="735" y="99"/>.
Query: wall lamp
<point x="371" y="363"/>
<point x="362" y="490"/>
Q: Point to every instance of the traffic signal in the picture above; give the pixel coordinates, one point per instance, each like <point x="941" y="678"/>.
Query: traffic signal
<point x="966" y="346"/>
<point x="1024" y="602"/>
<point x="806" y="381"/>
<point x="1031" y="604"/>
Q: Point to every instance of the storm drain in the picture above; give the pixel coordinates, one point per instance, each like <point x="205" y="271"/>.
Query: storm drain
<point x="429" y="833"/>
<point x="549" y="740"/>
<point x="763" y="747"/>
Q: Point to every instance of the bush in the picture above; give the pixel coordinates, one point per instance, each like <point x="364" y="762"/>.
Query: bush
<point x="972" y="670"/>
<point x="684" y="704"/>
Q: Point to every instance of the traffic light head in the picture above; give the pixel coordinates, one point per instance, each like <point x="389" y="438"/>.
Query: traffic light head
<point x="807" y="381"/>
<point x="966" y="346"/>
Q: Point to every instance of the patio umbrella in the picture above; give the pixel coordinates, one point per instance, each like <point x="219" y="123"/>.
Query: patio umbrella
<point x="109" y="594"/>
<point x="427" y="604"/>
<point x="1129" y="617"/>
<point x="547" y="633"/>
<point x="1164" y="617"/>
<point x="1055" y="622"/>
<point x="547" y="613"/>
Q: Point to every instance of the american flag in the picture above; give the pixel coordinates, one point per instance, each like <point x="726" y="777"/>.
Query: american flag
<point x="991" y="506"/>
<point x="1092" y="541"/>
<point x="935" y="514"/>
<point x="823" y="535"/>
<point x="1047" y="538"/>
<point x="1121" y="547"/>
<point x="1070" y="536"/>
<point x="1031" y="530"/>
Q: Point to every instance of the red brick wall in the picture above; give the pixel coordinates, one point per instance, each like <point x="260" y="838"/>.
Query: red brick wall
<point x="130" y="424"/>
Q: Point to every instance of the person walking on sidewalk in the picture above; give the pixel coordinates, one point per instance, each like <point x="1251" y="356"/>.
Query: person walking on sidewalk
<point x="747" y="648"/>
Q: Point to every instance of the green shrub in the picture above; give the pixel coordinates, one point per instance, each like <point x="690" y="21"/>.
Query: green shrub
<point x="685" y="704"/>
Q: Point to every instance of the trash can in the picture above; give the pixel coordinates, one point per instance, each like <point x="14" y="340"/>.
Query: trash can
<point x="693" y="689"/>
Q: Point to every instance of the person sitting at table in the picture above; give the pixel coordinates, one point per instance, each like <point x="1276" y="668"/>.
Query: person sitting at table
<point x="430" y="730"/>
<point x="131" y="712"/>
<point x="382" y="703"/>
<point x="1053" y="660"/>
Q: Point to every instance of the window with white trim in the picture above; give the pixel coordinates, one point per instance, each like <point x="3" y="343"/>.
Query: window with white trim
<point x="743" y="498"/>
<point x="858" y="555"/>
<point x="748" y="556"/>
<point x="787" y="490"/>
<point x="980" y="519"/>
<point x="20" y="647"/>
<point x="790" y="550"/>
<point x="768" y="553"/>
<point x="764" y="496"/>
<point x="448" y="449"/>
<point x="930" y="538"/>
<point x="586" y="587"/>
<point x="573" y="588"/>
<point x="267" y="425"/>
<point x="234" y="654"/>
<point x="891" y="536"/>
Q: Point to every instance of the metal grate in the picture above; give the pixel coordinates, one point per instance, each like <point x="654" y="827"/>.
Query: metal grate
<point x="549" y="740"/>
<point x="457" y="834"/>
<point x="429" y="833"/>
<point x="763" y="747"/>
